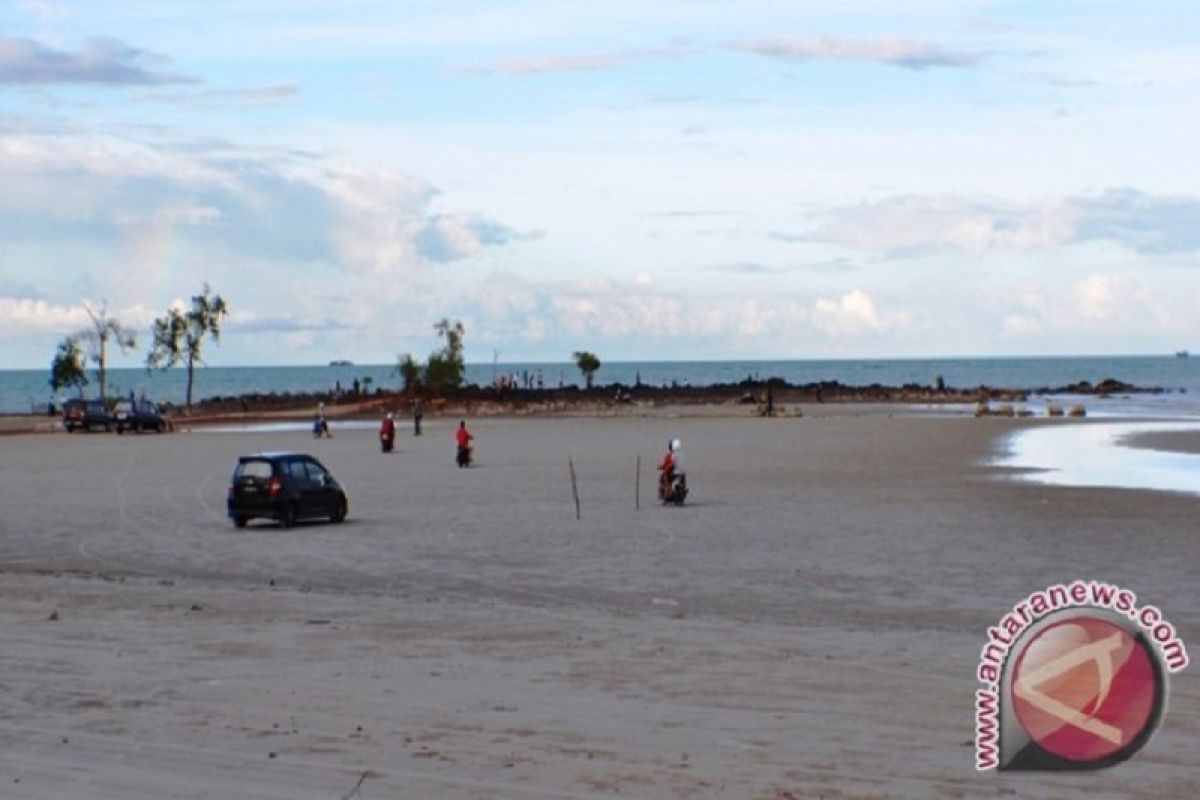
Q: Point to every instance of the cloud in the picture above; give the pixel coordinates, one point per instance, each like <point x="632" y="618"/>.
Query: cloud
<point x="452" y="237"/>
<point x="576" y="62"/>
<point x="21" y="316"/>
<point x="744" y="268"/>
<point x="637" y="315"/>
<point x="48" y="11"/>
<point x="249" y="322"/>
<point x="1096" y="304"/>
<point x="1145" y="223"/>
<point x="143" y="203"/>
<point x="269" y="96"/>
<point x="912" y="225"/>
<point x="912" y="54"/>
<point x="852" y="314"/>
<point x="106" y="62"/>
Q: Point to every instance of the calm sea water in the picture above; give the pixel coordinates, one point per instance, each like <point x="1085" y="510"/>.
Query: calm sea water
<point x="24" y="390"/>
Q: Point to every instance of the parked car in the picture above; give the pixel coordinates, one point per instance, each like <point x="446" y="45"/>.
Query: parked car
<point x="85" y="414"/>
<point x="286" y="487"/>
<point x="138" y="416"/>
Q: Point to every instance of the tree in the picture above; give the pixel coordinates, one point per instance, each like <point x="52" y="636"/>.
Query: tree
<point x="68" y="368"/>
<point x="179" y="335"/>
<point x="588" y="364"/>
<point x="445" y="369"/>
<point x="97" y="337"/>
<point x="410" y="372"/>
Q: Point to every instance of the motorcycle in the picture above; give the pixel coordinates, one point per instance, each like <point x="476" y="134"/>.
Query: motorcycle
<point x="463" y="458"/>
<point x="673" y="490"/>
<point x="387" y="434"/>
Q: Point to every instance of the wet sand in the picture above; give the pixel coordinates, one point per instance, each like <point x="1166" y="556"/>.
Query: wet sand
<point x="1169" y="442"/>
<point x="808" y="626"/>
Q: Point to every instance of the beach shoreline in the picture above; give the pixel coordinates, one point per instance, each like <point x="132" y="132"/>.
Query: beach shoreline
<point x="809" y="625"/>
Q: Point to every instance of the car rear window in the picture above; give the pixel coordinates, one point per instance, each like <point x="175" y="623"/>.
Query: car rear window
<point x="253" y="469"/>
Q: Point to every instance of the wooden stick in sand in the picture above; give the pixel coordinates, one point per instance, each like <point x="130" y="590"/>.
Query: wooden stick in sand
<point x="574" y="486"/>
<point x="637" y="487"/>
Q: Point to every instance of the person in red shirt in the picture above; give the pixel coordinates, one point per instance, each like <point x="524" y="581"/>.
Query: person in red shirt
<point x="463" y="437"/>
<point x="387" y="433"/>
<point x="668" y="466"/>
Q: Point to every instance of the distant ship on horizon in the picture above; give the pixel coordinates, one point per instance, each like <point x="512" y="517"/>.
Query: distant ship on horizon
<point x="341" y="362"/>
<point x="1182" y="354"/>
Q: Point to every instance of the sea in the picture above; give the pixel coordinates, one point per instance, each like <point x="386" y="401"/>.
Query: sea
<point x="27" y="391"/>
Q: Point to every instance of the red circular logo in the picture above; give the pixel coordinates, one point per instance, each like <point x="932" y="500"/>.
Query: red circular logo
<point x="1085" y="689"/>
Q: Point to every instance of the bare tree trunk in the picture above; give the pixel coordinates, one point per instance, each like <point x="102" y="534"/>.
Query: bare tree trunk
<point x="191" y="365"/>
<point x="103" y="343"/>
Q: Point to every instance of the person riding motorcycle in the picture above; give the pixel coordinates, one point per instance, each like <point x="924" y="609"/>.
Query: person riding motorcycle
<point x="670" y="466"/>
<point x="387" y="432"/>
<point x="463" y="437"/>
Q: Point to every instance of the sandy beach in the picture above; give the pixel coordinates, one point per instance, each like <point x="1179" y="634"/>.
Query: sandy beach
<point x="807" y="626"/>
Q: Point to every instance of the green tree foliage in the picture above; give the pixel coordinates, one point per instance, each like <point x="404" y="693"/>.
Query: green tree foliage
<point x="588" y="364"/>
<point x="445" y="370"/>
<point x="96" y="338"/>
<point x="410" y="373"/>
<point x="67" y="369"/>
<point x="179" y="335"/>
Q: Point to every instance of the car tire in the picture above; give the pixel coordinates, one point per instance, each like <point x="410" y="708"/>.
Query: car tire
<point x="288" y="518"/>
<point x="338" y="514"/>
<point x="239" y="522"/>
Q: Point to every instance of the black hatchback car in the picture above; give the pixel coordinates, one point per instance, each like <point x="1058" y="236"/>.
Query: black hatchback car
<point x="138" y="416"/>
<point x="285" y="487"/>
<point x="85" y="414"/>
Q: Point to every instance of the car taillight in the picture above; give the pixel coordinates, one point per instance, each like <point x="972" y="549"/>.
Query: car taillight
<point x="275" y="487"/>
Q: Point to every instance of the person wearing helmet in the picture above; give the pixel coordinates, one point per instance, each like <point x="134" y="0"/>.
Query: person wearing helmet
<point x="672" y="462"/>
<point x="387" y="432"/>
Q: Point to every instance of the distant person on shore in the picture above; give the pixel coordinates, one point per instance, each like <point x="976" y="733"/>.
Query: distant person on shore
<point x="418" y="412"/>
<point x="463" y="439"/>
<point x="770" y="401"/>
<point x="320" y="424"/>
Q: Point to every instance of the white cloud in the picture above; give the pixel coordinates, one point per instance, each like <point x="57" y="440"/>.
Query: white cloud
<point x="917" y="224"/>
<point x="852" y="314"/>
<point x="908" y="53"/>
<point x="25" y="62"/>
<point x="25" y="316"/>
<point x="914" y="224"/>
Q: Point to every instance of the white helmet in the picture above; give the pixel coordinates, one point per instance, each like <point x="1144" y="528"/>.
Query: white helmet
<point x="675" y="445"/>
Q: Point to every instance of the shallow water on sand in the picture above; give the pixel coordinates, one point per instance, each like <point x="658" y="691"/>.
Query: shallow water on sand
<point x="1100" y="455"/>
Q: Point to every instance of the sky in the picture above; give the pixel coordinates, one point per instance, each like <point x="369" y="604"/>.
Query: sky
<point x="643" y="179"/>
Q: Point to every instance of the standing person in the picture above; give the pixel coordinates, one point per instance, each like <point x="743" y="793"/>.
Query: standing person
<point x="770" y="401"/>
<point x="320" y="424"/>
<point x="463" y="438"/>
<point x="418" y="412"/>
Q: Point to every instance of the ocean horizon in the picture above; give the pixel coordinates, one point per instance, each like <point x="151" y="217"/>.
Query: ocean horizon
<point x="28" y="391"/>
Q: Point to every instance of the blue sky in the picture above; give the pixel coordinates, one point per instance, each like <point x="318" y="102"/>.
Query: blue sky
<point x="646" y="180"/>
